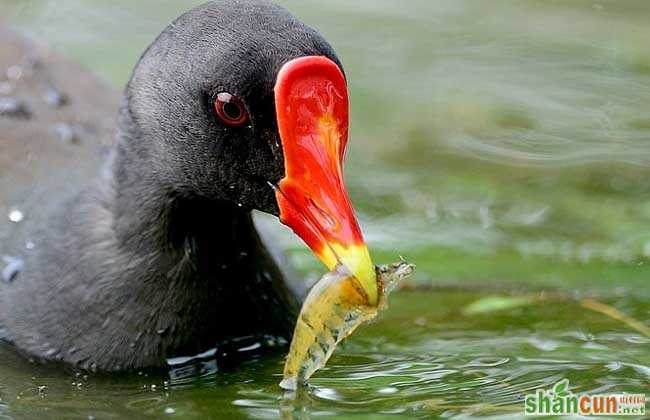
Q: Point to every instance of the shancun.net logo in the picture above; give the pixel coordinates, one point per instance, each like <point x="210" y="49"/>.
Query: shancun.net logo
<point x="561" y="401"/>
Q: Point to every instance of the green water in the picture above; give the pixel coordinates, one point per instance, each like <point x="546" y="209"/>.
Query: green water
<point x="423" y="358"/>
<point x="503" y="146"/>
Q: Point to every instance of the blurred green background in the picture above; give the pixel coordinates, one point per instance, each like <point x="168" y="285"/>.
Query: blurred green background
<point x="506" y="142"/>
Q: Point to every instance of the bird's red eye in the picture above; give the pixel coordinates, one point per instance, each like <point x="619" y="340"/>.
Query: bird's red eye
<point x="230" y="110"/>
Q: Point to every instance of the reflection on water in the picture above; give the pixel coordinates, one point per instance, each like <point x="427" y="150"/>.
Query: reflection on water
<point x="424" y="357"/>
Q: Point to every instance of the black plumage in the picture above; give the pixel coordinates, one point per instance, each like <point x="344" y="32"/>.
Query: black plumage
<point x="153" y="253"/>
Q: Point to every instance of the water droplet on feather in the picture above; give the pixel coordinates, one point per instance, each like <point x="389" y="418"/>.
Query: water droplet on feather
<point x="67" y="133"/>
<point x="14" y="108"/>
<point x="13" y="267"/>
<point x="16" y="216"/>
<point x="55" y="98"/>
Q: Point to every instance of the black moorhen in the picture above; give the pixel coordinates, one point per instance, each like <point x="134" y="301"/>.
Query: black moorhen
<point x="236" y="106"/>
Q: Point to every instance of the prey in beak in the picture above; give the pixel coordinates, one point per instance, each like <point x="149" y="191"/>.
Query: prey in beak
<point x="312" y="107"/>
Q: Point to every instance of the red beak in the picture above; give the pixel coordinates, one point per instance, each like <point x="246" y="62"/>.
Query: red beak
<point x="311" y="99"/>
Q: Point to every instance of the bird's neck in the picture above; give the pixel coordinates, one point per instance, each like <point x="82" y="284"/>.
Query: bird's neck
<point x="152" y="218"/>
<point x="193" y="261"/>
<point x="145" y="273"/>
<point x="141" y="207"/>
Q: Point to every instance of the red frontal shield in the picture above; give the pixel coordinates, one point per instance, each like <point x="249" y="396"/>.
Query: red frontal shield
<point x="312" y="109"/>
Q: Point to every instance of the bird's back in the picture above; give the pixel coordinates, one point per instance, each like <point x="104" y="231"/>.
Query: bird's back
<point x="57" y="121"/>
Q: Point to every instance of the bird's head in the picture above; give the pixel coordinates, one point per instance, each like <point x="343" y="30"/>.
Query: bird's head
<point x="237" y="100"/>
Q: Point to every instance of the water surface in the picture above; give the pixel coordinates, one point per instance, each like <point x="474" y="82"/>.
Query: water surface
<point x="424" y="357"/>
